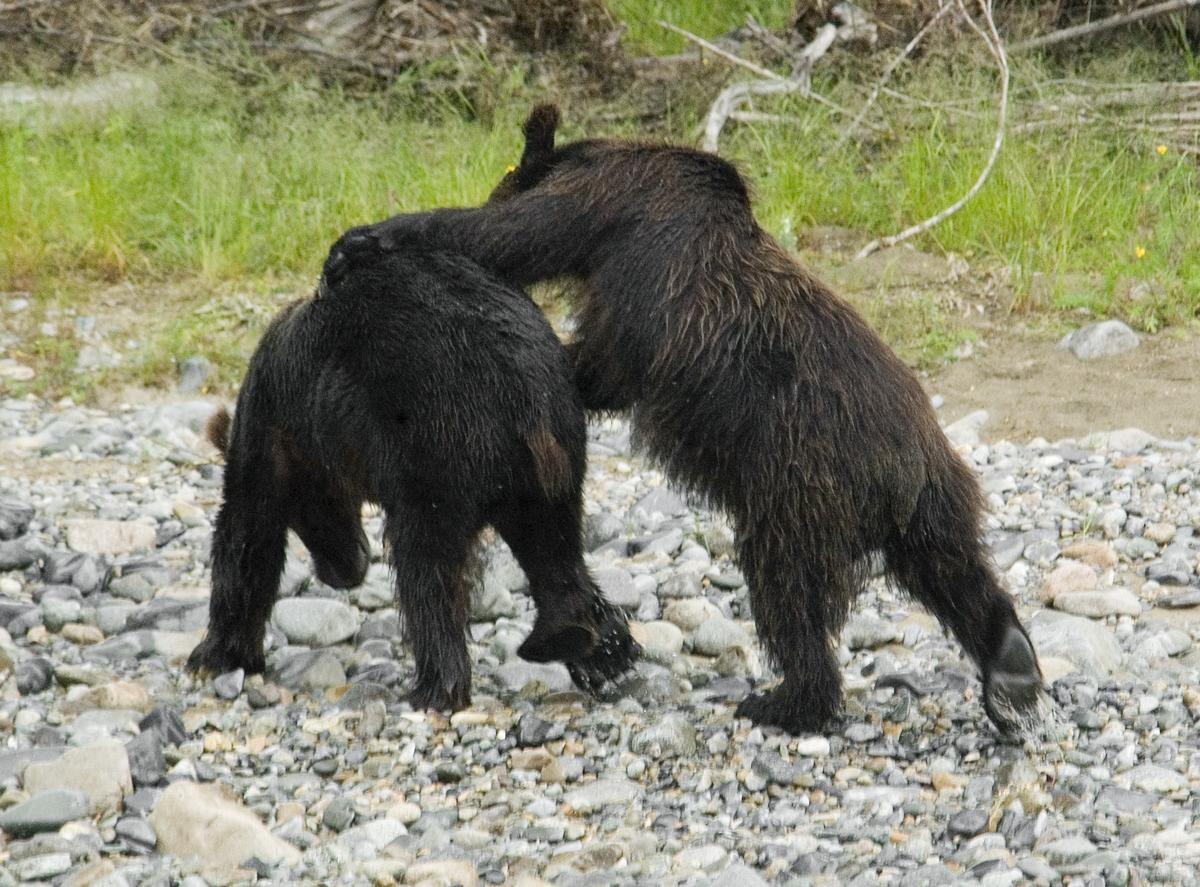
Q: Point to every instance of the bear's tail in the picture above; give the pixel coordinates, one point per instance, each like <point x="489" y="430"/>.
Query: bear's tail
<point x="219" y="426"/>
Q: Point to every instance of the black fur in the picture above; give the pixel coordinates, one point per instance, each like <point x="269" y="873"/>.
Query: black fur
<point x="754" y="385"/>
<point x="425" y="385"/>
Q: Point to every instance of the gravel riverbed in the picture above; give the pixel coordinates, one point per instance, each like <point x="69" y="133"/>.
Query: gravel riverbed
<point x="117" y="769"/>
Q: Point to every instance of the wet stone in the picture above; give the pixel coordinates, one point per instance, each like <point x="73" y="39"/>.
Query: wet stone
<point x="136" y="833"/>
<point x="18" y="554"/>
<point x="34" y="676"/>
<point x="14" y="517"/>
<point x="229" y="685"/>
<point x="310" y="670"/>
<point x="968" y="823"/>
<point x="339" y="815"/>
<point x="166" y="722"/>
<point x="534" y="731"/>
<point x="45" y="811"/>
<point x="147" y="766"/>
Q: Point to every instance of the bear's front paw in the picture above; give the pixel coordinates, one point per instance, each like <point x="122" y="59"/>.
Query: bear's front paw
<point x="614" y="654"/>
<point x="780" y="708"/>
<point x="432" y="696"/>
<point x="215" y="656"/>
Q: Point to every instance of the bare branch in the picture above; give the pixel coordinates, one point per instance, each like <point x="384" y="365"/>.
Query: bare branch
<point x="895" y="63"/>
<point x="760" y="117"/>
<point x="813" y="50"/>
<point x="728" y="100"/>
<point x="1113" y="21"/>
<point x="718" y="51"/>
<point x="996" y="46"/>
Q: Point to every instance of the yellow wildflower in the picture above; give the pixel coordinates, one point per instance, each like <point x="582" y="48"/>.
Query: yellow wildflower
<point x="1161" y="149"/>
<point x="510" y="169"/>
<point x="1139" y="251"/>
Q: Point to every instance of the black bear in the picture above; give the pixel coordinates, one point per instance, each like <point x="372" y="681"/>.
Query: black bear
<point x="756" y="387"/>
<point x="421" y="383"/>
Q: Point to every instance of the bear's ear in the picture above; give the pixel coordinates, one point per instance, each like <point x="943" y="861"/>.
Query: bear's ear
<point x="539" y="136"/>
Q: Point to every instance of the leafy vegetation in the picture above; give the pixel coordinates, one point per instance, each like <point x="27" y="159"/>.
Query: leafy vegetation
<point x="227" y="187"/>
<point x="702" y="17"/>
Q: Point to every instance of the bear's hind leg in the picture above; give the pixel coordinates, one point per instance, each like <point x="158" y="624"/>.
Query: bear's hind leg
<point x="941" y="562"/>
<point x="796" y="617"/>
<point x="430" y="550"/>
<point x="249" y="542"/>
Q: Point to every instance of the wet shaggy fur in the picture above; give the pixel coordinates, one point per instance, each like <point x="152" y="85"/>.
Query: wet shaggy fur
<point x="753" y="385"/>
<point x="427" y="386"/>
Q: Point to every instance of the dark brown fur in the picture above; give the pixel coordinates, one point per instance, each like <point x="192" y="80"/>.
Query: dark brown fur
<point x="217" y="429"/>
<point x="430" y="387"/>
<point x="753" y="385"/>
<point x="551" y="462"/>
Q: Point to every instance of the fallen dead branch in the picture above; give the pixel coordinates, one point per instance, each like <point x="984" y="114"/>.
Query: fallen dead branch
<point x="721" y="53"/>
<point x="729" y="99"/>
<point x="367" y="39"/>
<point x="995" y="46"/>
<point x="1083" y="32"/>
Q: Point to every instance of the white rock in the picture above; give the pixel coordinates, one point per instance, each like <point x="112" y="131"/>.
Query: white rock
<point x="1089" y="645"/>
<point x="1126" y="440"/>
<point x="717" y="635"/>
<point x="690" y="613"/>
<point x="314" y="622"/>
<point x="812" y="747"/>
<point x="109" y="536"/>
<point x="1100" y="603"/>
<point x="99" y="770"/>
<point x="965" y="432"/>
<point x="706" y="857"/>
<point x="658" y="635"/>
<point x="195" y="821"/>
<point x="602" y="793"/>
<point x="448" y="872"/>
<point x="1103" y="339"/>
<point x="1153" y="778"/>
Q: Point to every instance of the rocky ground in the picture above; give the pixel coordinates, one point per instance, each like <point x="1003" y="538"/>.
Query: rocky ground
<point x="116" y="769"/>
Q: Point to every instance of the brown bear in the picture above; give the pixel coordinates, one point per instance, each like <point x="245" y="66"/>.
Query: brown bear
<point x="754" y="386"/>
<point x="424" y="384"/>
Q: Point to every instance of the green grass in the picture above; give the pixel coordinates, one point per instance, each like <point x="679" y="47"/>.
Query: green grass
<point x="222" y="184"/>
<point x="238" y="183"/>
<point x="704" y="18"/>
<point x="1059" y="202"/>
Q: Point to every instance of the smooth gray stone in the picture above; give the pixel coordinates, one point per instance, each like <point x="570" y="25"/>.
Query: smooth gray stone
<point x="1104" y="339"/>
<point x="310" y="670"/>
<point x="13" y="763"/>
<point x="14" y="517"/>
<point x="229" y="685"/>
<point x="137" y="833"/>
<point x="17" y="554"/>
<point x="47" y="811"/>
<point x="147" y="766"/>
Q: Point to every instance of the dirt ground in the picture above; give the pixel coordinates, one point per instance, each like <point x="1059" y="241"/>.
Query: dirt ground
<point x="1032" y="389"/>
